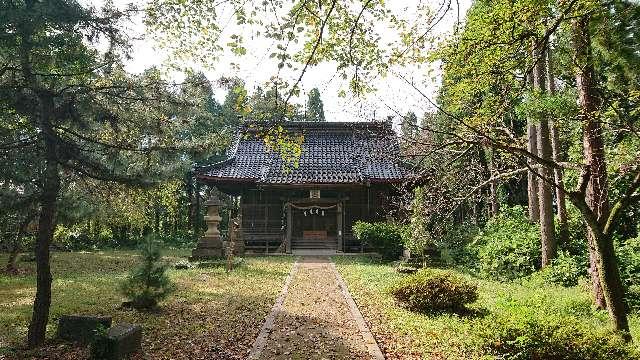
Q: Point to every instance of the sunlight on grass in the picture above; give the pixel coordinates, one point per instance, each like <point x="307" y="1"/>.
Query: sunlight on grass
<point x="209" y="304"/>
<point x="405" y="334"/>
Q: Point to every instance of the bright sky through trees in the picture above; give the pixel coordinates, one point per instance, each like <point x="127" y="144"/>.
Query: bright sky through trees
<point x="393" y="97"/>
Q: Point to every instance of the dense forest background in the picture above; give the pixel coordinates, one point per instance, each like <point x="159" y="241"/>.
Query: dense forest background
<point x="99" y="215"/>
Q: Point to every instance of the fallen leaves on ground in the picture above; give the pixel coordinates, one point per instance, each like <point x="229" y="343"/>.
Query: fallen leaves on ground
<point x="212" y="315"/>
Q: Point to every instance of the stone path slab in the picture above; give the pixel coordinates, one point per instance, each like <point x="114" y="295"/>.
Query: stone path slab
<point x="315" y="318"/>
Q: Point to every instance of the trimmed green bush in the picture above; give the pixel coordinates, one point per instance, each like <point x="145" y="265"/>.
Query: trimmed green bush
<point x="558" y="339"/>
<point x="509" y="246"/>
<point x="148" y="283"/>
<point x="385" y="237"/>
<point x="429" y="291"/>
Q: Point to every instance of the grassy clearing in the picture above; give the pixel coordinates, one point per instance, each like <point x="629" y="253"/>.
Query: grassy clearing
<point x="408" y="335"/>
<point x="211" y="313"/>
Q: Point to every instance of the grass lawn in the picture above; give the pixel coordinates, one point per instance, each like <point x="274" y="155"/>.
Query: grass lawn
<point x="408" y="335"/>
<point x="212" y="314"/>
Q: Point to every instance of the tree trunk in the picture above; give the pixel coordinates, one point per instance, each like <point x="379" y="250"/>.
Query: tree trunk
<point x="561" y="202"/>
<point x="545" y="193"/>
<point x="588" y="106"/>
<point x="532" y="179"/>
<point x="46" y="226"/>
<point x="612" y="284"/>
<point x="495" y="204"/>
<point x="601" y="246"/>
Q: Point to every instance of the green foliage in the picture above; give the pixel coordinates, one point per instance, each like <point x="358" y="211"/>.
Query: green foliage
<point x="431" y="291"/>
<point x="552" y="338"/>
<point x="629" y="262"/>
<point x="409" y="125"/>
<point x="455" y="244"/>
<point x="148" y="283"/>
<point x="501" y="308"/>
<point x="560" y="107"/>
<point x="577" y="228"/>
<point x="417" y="237"/>
<point x="99" y="347"/>
<point x="564" y="270"/>
<point x="509" y="246"/>
<point x="315" y="108"/>
<point x="383" y="236"/>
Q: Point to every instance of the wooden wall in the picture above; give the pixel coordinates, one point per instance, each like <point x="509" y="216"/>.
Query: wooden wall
<point x="264" y="213"/>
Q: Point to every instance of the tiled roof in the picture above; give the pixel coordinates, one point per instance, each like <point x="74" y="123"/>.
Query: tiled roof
<point x="332" y="153"/>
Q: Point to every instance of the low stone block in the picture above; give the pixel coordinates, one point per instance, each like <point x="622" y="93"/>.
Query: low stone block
<point x="206" y="253"/>
<point x="81" y="328"/>
<point x="120" y="341"/>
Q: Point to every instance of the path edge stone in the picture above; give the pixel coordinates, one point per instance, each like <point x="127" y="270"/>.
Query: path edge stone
<point x="370" y="341"/>
<point x="267" y="327"/>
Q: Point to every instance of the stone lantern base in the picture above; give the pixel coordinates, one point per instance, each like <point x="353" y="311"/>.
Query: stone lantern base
<point x="207" y="248"/>
<point x="210" y="244"/>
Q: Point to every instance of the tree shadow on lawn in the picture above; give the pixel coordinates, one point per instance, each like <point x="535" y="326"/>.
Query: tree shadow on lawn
<point x="465" y="312"/>
<point x="216" y="329"/>
<point x="309" y="337"/>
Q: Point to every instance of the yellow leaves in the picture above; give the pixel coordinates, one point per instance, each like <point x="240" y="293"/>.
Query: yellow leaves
<point x="287" y="144"/>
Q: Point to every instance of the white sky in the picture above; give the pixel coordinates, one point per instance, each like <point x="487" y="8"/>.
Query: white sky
<point x="256" y="68"/>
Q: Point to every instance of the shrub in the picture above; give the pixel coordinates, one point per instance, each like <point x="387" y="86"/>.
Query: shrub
<point x="417" y="237"/>
<point x="564" y="270"/>
<point x="558" y="339"/>
<point x="179" y="239"/>
<point x="454" y="241"/>
<point x="577" y="231"/>
<point x="509" y="246"/>
<point x="434" y="291"/>
<point x="148" y="283"/>
<point x="385" y="237"/>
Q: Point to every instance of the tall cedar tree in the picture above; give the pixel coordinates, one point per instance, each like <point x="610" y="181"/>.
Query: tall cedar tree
<point x="315" y="108"/>
<point x="544" y="190"/>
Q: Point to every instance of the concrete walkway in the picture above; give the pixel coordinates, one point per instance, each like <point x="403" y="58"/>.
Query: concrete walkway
<point x="315" y="318"/>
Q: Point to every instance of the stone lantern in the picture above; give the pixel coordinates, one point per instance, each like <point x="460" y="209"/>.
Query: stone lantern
<point x="210" y="244"/>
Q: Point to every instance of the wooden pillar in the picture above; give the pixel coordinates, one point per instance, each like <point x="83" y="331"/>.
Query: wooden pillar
<point x="266" y="220"/>
<point x="340" y="229"/>
<point x="289" y="225"/>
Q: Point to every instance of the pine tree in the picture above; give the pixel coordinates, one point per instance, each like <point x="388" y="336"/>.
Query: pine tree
<point x="148" y="283"/>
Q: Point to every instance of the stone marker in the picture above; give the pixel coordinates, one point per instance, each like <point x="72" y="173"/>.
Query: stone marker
<point x="210" y="244"/>
<point x="81" y="328"/>
<point x="121" y="340"/>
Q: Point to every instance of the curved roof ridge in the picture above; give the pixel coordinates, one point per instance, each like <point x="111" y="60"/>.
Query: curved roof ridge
<point x="338" y="152"/>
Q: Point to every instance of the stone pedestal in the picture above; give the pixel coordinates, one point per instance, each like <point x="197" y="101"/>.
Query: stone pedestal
<point x="210" y="244"/>
<point x="81" y="328"/>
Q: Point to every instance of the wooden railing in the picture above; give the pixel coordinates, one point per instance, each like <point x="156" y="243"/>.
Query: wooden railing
<point x="262" y="242"/>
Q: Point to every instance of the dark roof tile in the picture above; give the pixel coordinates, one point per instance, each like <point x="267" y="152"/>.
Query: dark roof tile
<point x="332" y="152"/>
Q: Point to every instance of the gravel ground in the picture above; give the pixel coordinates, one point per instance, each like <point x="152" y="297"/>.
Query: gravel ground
<point x="315" y="322"/>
